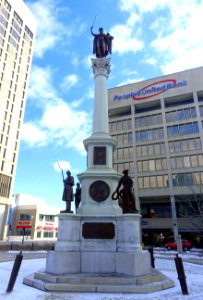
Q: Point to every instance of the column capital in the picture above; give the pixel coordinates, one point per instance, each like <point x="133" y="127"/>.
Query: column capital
<point x="101" y="66"/>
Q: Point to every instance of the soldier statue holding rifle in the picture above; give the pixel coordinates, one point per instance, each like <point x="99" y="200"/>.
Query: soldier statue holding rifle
<point x="67" y="190"/>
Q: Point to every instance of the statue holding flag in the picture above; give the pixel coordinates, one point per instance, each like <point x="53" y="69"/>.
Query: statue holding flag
<point x="102" y="43"/>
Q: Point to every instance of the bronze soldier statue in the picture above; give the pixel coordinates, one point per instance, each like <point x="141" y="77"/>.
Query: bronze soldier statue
<point x="102" y="43"/>
<point x="125" y="195"/>
<point x="77" y="195"/>
<point x="68" y="191"/>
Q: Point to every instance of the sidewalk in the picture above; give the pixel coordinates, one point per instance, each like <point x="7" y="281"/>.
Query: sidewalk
<point x="10" y="256"/>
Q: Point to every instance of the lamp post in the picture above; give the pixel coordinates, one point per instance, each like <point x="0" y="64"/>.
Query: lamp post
<point x="23" y="235"/>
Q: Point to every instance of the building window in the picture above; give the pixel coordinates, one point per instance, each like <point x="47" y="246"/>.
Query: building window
<point x="150" y="134"/>
<point x="185" y="145"/>
<point x="124" y="166"/>
<point x="24" y="217"/>
<point x="41" y="217"/>
<point x="5" y="184"/>
<point x="120" y="125"/>
<point x="124" y="139"/>
<point x="39" y="234"/>
<point x="182" y="129"/>
<point x="148" y="120"/>
<point x="147" y="182"/>
<point x="181" y="114"/>
<point x="152" y="165"/>
<point x="188" y="179"/>
<point x="123" y="153"/>
<point x="49" y="218"/>
<point x="151" y="149"/>
<point x="48" y="234"/>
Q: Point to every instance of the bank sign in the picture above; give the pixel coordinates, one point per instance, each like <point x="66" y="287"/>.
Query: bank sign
<point x="152" y="90"/>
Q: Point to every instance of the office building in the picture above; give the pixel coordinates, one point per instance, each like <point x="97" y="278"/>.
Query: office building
<point x="158" y="124"/>
<point x="17" y="34"/>
<point x="32" y="218"/>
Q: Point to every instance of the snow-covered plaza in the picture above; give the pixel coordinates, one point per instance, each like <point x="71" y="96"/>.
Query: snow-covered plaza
<point x="164" y="261"/>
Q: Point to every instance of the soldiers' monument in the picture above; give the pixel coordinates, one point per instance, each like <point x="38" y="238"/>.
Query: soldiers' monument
<point x="99" y="247"/>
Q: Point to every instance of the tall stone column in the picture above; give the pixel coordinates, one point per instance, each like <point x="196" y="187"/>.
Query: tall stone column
<point x="101" y="71"/>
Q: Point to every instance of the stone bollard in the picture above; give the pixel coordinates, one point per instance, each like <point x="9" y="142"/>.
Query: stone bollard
<point x="14" y="272"/>
<point x="151" y="251"/>
<point x="181" y="274"/>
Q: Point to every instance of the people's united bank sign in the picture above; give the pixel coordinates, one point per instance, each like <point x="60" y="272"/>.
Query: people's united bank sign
<point x="151" y="90"/>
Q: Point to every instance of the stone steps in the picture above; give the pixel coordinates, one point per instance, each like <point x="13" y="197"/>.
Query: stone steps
<point x="99" y="283"/>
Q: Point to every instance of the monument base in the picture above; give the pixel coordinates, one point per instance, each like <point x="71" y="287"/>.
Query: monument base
<point x="99" y="283"/>
<point x="99" y="254"/>
<point x="99" y="244"/>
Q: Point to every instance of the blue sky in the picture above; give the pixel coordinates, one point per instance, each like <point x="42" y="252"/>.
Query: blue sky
<point x="151" y="38"/>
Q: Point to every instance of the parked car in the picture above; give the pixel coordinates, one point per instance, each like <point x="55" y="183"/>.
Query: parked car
<point x="173" y="245"/>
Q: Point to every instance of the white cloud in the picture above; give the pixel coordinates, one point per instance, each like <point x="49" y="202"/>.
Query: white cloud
<point x="182" y="47"/>
<point x="32" y="134"/>
<point x="62" y="165"/>
<point x="41" y="85"/>
<point x="69" y="81"/>
<point x="60" y="123"/>
<point x="129" y="80"/>
<point x="126" y="40"/>
<point x="176" y="31"/>
<point x="50" y="31"/>
<point x="150" y="60"/>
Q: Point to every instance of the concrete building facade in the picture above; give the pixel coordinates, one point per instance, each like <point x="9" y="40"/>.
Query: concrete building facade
<point x="17" y="34"/>
<point x="32" y="218"/>
<point x="158" y="124"/>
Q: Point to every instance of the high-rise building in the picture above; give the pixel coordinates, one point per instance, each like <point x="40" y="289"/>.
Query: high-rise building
<point x="17" y="34"/>
<point x="158" y="124"/>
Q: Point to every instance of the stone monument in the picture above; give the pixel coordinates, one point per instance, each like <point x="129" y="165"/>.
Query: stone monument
<point x="99" y="247"/>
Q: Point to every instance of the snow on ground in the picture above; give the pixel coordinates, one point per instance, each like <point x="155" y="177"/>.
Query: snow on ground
<point x="194" y="277"/>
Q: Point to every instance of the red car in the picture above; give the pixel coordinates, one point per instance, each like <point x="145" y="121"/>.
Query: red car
<point x="173" y="246"/>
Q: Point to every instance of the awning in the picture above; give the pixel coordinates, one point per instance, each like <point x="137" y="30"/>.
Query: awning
<point x="48" y="228"/>
<point x="23" y="226"/>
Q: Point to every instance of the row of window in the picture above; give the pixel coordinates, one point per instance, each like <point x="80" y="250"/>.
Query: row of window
<point x="124" y="166"/>
<point x="159" y="148"/>
<point x="123" y="153"/>
<point x="185" y="145"/>
<point x="172" y="131"/>
<point x="152" y="165"/>
<point x="181" y="114"/>
<point x="188" y="179"/>
<point x="48" y="218"/>
<point x="148" y="120"/>
<point x="150" y="134"/>
<point x="156" y="210"/>
<point x="47" y="234"/>
<point x="182" y="129"/>
<point x="191" y="161"/>
<point x="147" y="182"/>
<point x="5" y="185"/>
<point x="27" y="217"/>
<point x="124" y="139"/>
<point x="120" y="125"/>
<point x="152" y="149"/>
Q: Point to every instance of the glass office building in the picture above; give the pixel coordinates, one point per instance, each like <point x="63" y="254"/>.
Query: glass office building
<point x="158" y="124"/>
<point x="17" y="33"/>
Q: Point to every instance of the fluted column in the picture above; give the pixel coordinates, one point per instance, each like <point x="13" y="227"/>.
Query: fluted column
<point x="101" y="71"/>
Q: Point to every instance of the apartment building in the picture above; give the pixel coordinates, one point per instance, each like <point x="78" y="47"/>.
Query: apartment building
<point x="158" y="124"/>
<point x="17" y="34"/>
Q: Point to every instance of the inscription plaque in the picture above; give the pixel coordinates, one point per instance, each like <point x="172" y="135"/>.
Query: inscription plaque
<point x="99" y="156"/>
<point x="98" y="230"/>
